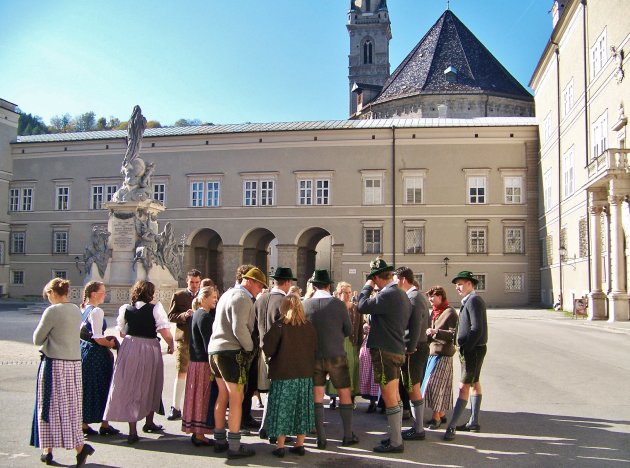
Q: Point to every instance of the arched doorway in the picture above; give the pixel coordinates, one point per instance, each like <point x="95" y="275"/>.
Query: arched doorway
<point x="207" y="254"/>
<point x="315" y="250"/>
<point x="257" y="248"/>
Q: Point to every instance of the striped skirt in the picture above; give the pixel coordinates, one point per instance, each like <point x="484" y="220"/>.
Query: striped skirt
<point x="197" y="399"/>
<point x="437" y="386"/>
<point x="97" y="363"/>
<point x="290" y="407"/>
<point x="367" y="386"/>
<point x="138" y="380"/>
<point x="58" y="410"/>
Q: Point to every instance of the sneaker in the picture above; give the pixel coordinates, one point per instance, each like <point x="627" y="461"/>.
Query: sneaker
<point x="242" y="452"/>
<point x="174" y="415"/>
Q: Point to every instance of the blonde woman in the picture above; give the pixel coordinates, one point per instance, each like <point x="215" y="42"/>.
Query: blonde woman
<point x="198" y="380"/>
<point x="58" y="410"/>
<point x="290" y="345"/>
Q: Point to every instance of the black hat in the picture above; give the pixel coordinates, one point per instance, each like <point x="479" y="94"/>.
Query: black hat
<point x="378" y="266"/>
<point x="466" y="275"/>
<point x="283" y="273"/>
<point x="320" y="277"/>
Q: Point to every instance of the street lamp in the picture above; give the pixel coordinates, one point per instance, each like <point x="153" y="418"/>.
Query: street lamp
<point x="445" y="262"/>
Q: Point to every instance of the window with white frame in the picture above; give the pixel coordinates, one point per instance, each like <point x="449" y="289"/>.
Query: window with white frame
<point x="514" y="282"/>
<point x="414" y="188"/>
<point x="2" y="253"/>
<point x="250" y="192"/>
<point x="159" y="193"/>
<point x="568" y="173"/>
<point x="414" y="240"/>
<point x="213" y="193"/>
<point x="477" y="239"/>
<point x="547" y="128"/>
<point x="600" y="135"/>
<point x="372" y="240"/>
<point x="420" y="279"/>
<point x="481" y="282"/>
<point x="62" y="198"/>
<point x="547" y="190"/>
<point x="60" y="242"/>
<point x="21" y="199"/>
<point x="599" y="54"/>
<point x="513" y="239"/>
<point x="513" y="189"/>
<point x="567" y="96"/>
<point x="18" y="242"/>
<point x="17" y="277"/>
<point x="63" y="274"/>
<point x="373" y="191"/>
<point x="258" y="190"/>
<point x="205" y="193"/>
<point x="477" y="189"/>
<point x="101" y="194"/>
<point x="313" y="191"/>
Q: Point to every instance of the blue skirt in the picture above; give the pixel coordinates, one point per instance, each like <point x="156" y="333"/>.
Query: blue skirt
<point x="97" y="364"/>
<point x="290" y="408"/>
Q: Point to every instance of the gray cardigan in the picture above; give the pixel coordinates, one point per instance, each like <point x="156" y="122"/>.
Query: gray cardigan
<point x="330" y="318"/>
<point x="233" y="322"/>
<point x="57" y="333"/>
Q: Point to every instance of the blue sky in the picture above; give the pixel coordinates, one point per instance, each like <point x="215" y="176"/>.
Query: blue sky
<point x="224" y="61"/>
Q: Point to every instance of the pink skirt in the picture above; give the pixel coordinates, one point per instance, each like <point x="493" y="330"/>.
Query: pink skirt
<point x="197" y="399"/>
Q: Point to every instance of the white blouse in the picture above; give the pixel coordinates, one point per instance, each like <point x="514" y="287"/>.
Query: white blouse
<point x="96" y="321"/>
<point x="159" y="314"/>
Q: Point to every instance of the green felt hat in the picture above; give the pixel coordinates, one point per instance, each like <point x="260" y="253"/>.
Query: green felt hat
<point x="377" y="266"/>
<point x="466" y="275"/>
<point x="320" y="277"/>
<point x="283" y="273"/>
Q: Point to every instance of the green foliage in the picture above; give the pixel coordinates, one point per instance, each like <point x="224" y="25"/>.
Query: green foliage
<point x="60" y="123"/>
<point x="154" y="124"/>
<point x="29" y="124"/>
<point x="85" y="122"/>
<point x="187" y="122"/>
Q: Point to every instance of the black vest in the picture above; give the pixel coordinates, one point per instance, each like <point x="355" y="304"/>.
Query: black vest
<point x="140" y="322"/>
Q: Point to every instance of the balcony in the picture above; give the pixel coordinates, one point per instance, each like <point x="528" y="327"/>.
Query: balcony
<point x="613" y="161"/>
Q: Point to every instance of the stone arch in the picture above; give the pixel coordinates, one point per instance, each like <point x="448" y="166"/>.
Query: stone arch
<point x="256" y="248"/>
<point x="307" y="242"/>
<point x="206" y="254"/>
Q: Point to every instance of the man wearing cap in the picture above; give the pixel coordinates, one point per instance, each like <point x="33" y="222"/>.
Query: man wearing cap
<point x="417" y="349"/>
<point x="230" y="350"/>
<point x="472" y="336"/>
<point x="181" y="312"/>
<point x="268" y="311"/>
<point x="389" y="312"/>
<point x="330" y="318"/>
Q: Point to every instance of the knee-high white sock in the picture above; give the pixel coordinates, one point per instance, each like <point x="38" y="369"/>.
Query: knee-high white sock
<point x="178" y="390"/>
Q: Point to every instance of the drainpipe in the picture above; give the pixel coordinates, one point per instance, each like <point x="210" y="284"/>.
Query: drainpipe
<point x="586" y="129"/>
<point x="393" y="195"/>
<point x="558" y="110"/>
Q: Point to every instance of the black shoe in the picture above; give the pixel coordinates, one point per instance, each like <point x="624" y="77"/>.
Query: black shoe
<point x="412" y="434"/>
<point x="469" y="428"/>
<point x="449" y="434"/>
<point x="201" y="442"/>
<point x="333" y="404"/>
<point x="321" y="444"/>
<point x="385" y="441"/>
<point x="88" y="431"/>
<point x="109" y="430"/>
<point x="242" y="452"/>
<point x="406" y="414"/>
<point x="382" y="410"/>
<point x="250" y="423"/>
<point x="245" y="432"/>
<point x="434" y="424"/>
<point x="443" y="419"/>
<point x="46" y="458"/>
<point x="351" y="441"/>
<point x="389" y="448"/>
<point x="150" y="428"/>
<point x="263" y="433"/>
<point x="85" y="452"/>
<point x="371" y="408"/>
<point x="132" y="439"/>
<point x="220" y="447"/>
<point x="279" y="452"/>
<point x="300" y="450"/>
<point x="174" y="415"/>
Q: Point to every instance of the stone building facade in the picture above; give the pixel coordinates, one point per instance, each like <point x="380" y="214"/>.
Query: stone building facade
<point x="8" y="130"/>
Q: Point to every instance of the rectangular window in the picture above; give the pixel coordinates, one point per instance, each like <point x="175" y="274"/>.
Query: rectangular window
<point x="322" y="191"/>
<point x="413" y="190"/>
<point x="205" y="193"/>
<point x="21" y="199"/>
<point x="549" y="250"/>
<point x="60" y="242"/>
<point x="14" y="199"/>
<point x="583" y="233"/>
<point x="547" y="128"/>
<point x="568" y="173"/>
<point x="372" y="191"/>
<point x="27" y="199"/>
<point x="18" y="242"/>
<point x="568" y="97"/>
<point x="196" y="194"/>
<point x="476" y="190"/>
<point x="159" y="193"/>
<point x="547" y="192"/>
<point x="305" y="192"/>
<point x="420" y="279"/>
<point x="250" y="193"/>
<point x="17" y="277"/>
<point x="513" y="190"/>
<point x="599" y="54"/>
<point x="266" y="192"/>
<point x="514" y="240"/>
<point x="477" y="240"/>
<point x="314" y="192"/>
<point x="481" y="282"/>
<point x="414" y="240"/>
<point x="600" y="135"/>
<point x="213" y="190"/>
<point x="62" y="199"/>
<point x="2" y="253"/>
<point x="101" y="194"/>
<point x="514" y="282"/>
<point x="258" y="192"/>
<point x="63" y="274"/>
<point x="372" y="240"/>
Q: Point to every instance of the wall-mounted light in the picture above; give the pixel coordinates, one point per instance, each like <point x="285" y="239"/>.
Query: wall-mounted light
<point x="445" y="261"/>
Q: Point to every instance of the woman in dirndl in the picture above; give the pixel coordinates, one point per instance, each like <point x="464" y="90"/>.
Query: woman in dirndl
<point x="368" y="388"/>
<point x="136" y="390"/>
<point x="437" y="385"/>
<point x="290" y="346"/>
<point x="97" y="359"/>
<point x="200" y="384"/>
<point x="58" y="409"/>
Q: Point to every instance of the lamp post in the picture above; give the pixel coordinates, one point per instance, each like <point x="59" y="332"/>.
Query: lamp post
<point x="445" y="261"/>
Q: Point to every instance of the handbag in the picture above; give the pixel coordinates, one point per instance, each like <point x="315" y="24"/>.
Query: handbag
<point x="264" y="384"/>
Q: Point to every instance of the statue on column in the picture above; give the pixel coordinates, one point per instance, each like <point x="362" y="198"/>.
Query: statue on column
<point x="137" y="183"/>
<point x="97" y="251"/>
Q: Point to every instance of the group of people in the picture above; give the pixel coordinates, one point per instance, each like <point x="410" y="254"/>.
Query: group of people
<point x="395" y="342"/>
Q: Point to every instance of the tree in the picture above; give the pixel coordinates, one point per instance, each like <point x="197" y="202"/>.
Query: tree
<point x="122" y="125"/>
<point x="60" y="124"/>
<point x="113" y="122"/>
<point x="85" y="122"/>
<point x="154" y="124"/>
<point x="187" y="122"/>
<point x="101" y="124"/>
<point x="31" y="125"/>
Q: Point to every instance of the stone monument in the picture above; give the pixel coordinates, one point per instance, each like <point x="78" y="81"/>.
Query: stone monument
<point x="133" y="248"/>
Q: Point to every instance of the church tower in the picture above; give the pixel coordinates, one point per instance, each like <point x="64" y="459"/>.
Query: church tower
<point x="368" y="61"/>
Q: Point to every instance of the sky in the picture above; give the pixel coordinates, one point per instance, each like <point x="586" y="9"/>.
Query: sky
<point x="224" y="61"/>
